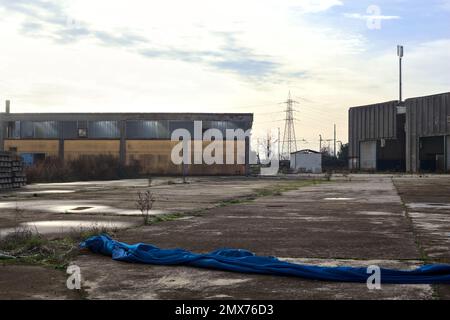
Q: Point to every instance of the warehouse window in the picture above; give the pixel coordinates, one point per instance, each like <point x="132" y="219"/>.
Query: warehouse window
<point x="188" y="125"/>
<point x="45" y="130"/>
<point x="147" y="129"/>
<point x="38" y="129"/>
<point x="13" y="130"/>
<point x="82" y="129"/>
<point x="244" y="125"/>
<point x="26" y="129"/>
<point x="220" y="125"/>
<point x="82" y="133"/>
<point x="224" y="125"/>
<point x="103" y="129"/>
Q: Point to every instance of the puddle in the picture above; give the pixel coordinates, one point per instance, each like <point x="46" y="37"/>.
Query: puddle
<point x="81" y="208"/>
<point x="73" y="206"/>
<point x="65" y="226"/>
<point x="46" y="192"/>
<point x="423" y="205"/>
<point x="196" y="281"/>
<point x="338" y="199"/>
<point x="376" y="213"/>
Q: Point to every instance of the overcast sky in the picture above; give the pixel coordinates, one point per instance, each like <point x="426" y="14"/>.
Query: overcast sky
<point x="222" y="56"/>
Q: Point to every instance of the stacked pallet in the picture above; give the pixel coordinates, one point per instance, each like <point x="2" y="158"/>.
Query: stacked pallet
<point x="11" y="171"/>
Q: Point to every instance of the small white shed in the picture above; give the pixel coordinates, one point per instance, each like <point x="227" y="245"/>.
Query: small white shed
<point x="308" y="161"/>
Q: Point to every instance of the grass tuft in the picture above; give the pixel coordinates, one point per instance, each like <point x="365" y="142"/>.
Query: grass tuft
<point x="27" y="246"/>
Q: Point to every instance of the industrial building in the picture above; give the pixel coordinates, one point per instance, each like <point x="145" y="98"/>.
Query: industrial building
<point x="142" y="137"/>
<point x="411" y="136"/>
<point x="306" y="161"/>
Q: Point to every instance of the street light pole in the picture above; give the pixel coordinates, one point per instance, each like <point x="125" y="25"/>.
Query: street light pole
<point x="335" y="141"/>
<point x="400" y="57"/>
<point x="279" y="137"/>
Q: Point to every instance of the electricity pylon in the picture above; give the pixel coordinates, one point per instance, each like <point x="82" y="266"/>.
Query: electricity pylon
<point x="289" y="140"/>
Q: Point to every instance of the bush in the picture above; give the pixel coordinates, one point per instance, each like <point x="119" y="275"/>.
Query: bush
<point x="84" y="168"/>
<point x="48" y="170"/>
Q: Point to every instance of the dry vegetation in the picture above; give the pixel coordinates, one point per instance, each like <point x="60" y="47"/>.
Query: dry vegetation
<point x="84" y="168"/>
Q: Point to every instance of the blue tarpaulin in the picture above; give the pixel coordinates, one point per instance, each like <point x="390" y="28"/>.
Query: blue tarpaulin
<point x="244" y="261"/>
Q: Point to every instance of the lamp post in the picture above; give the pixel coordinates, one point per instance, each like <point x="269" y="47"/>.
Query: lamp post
<point x="400" y="56"/>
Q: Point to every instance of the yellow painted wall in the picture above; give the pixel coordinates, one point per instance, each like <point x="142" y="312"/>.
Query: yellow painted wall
<point x="155" y="158"/>
<point x="49" y="147"/>
<point x="75" y="148"/>
<point x="153" y="155"/>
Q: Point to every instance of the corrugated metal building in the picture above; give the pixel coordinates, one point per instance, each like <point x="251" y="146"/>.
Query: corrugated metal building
<point x="307" y="161"/>
<point x="144" y="137"/>
<point x="412" y="137"/>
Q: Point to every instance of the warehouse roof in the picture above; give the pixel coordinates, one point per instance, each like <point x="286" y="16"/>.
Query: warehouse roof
<point x="126" y="116"/>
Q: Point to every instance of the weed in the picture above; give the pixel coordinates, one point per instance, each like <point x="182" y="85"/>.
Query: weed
<point x="145" y="203"/>
<point x="166" y="217"/>
<point x="28" y="246"/>
<point x="80" y="234"/>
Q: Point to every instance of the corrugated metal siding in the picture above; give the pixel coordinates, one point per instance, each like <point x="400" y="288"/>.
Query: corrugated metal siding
<point x="39" y="129"/>
<point x="14" y="130"/>
<point x="220" y="125"/>
<point x="70" y="129"/>
<point x="46" y="130"/>
<point x="188" y="125"/>
<point x="372" y="122"/>
<point x="426" y="116"/>
<point x="26" y="129"/>
<point x="103" y="130"/>
<point x="142" y="129"/>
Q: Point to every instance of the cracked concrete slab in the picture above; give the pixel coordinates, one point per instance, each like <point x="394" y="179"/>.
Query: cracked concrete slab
<point x="117" y="280"/>
<point x="299" y="224"/>
<point x="354" y="220"/>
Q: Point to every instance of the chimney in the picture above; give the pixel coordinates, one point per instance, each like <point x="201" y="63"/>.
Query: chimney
<point x="7" y="106"/>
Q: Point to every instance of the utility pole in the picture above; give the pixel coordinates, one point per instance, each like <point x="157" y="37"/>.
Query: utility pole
<point x="289" y="140"/>
<point x="320" y="143"/>
<point x="268" y="145"/>
<point x="279" y="142"/>
<point x="335" y="140"/>
<point x="400" y="57"/>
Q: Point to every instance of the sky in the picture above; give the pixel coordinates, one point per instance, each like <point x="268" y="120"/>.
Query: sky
<point x="222" y="56"/>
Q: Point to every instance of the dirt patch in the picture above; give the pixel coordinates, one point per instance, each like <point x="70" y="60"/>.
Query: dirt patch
<point x="34" y="282"/>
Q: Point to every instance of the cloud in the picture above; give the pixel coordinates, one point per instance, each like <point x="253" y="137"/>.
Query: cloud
<point x="249" y="67"/>
<point x="228" y="57"/>
<point x="372" y="17"/>
<point x="31" y="28"/>
<point x="445" y="5"/>
<point x="47" y="19"/>
<point x="314" y="6"/>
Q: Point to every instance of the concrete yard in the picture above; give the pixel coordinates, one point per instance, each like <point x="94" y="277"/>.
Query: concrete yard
<point x="398" y="221"/>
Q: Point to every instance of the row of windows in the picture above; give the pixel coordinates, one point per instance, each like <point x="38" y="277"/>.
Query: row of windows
<point x="135" y="129"/>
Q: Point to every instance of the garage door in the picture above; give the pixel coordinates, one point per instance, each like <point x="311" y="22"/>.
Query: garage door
<point x="368" y="155"/>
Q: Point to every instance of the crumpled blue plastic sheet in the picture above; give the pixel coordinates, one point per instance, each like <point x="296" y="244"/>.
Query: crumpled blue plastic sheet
<point x="244" y="261"/>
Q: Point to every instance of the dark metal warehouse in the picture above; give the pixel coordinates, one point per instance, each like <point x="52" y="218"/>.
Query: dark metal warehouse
<point x="413" y="136"/>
